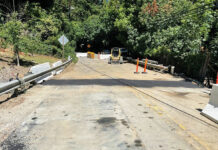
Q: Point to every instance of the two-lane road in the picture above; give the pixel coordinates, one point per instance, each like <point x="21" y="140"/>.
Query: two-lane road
<point x="84" y="109"/>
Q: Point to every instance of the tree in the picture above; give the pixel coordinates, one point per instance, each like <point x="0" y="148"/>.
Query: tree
<point x="11" y="32"/>
<point x="170" y="31"/>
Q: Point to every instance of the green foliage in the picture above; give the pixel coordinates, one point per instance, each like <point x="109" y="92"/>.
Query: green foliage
<point x="36" y="29"/>
<point x="11" y="31"/>
<point x="172" y="31"/>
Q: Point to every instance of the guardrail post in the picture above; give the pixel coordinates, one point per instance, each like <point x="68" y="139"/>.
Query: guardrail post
<point x="172" y="70"/>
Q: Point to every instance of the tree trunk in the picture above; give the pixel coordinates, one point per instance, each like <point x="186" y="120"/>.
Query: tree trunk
<point x="17" y="56"/>
<point x="203" y="70"/>
<point x="18" y="59"/>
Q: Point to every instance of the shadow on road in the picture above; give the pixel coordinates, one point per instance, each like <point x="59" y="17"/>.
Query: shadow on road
<point x="119" y="82"/>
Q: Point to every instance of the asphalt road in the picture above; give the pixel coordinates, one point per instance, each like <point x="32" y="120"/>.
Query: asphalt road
<point x="85" y="109"/>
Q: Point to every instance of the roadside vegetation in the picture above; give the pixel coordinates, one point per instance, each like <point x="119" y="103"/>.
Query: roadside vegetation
<point x="9" y="71"/>
<point x="8" y="54"/>
<point x="182" y="33"/>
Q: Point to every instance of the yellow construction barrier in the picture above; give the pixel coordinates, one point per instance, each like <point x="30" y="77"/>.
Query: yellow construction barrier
<point x="91" y="55"/>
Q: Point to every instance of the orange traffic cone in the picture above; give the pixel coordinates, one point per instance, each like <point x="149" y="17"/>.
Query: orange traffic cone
<point x="146" y="62"/>
<point x="137" y="66"/>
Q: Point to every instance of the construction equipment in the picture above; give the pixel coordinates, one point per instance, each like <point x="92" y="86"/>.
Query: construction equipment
<point x="116" y="56"/>
<point x="91" y="55"/>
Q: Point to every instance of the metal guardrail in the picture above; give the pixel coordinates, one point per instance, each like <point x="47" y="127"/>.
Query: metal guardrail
<point x="151" y="61"/>
<point x="150" y="64"/>
<point x="18" y="83"/>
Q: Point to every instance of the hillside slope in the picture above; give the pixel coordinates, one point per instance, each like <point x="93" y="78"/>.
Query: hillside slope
<point x="8" y="68"/>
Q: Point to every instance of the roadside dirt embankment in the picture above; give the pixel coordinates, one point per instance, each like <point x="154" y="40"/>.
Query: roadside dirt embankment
<point x="8" y="69"/>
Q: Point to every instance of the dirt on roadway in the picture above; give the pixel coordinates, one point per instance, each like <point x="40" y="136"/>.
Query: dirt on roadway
<point x="96" y="106"/>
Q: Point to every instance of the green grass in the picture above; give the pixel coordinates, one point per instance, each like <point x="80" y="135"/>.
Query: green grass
<point x="39" y="59"/>
<point x="36" y="58"/>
